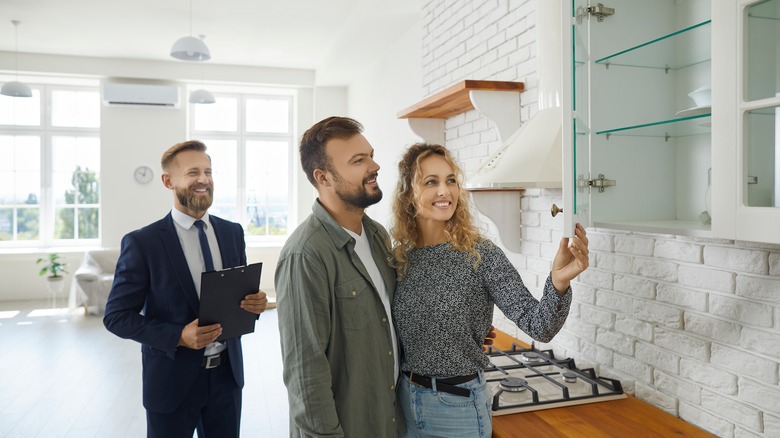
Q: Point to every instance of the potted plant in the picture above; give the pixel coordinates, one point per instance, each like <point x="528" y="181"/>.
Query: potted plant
<point x="53" y="268"/>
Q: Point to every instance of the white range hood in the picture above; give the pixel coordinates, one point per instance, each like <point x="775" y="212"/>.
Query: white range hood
<point x="530" y="158"/>
<point x="532" y="155"/>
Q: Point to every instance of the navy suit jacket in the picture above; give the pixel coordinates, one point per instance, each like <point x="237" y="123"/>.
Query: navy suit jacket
<point x="153" y="297"/>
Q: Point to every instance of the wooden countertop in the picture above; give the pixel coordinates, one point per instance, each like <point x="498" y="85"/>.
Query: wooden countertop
<point x="617" y="418"/>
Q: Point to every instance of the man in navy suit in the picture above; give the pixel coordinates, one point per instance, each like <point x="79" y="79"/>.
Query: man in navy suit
<point x="189" y="380"/>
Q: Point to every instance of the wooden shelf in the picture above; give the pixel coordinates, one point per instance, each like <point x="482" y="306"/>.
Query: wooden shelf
<point x="455" y="99"/>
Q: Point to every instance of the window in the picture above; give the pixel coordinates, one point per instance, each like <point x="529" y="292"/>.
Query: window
<point x="50" y="167"/>
<point x="250" y="140"/>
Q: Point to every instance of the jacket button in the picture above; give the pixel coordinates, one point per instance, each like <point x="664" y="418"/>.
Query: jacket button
<point x="384" y="319"/>
<point x="354" y="293"/>
<point x="390" y="353"/>
<point x="392" y="387"/>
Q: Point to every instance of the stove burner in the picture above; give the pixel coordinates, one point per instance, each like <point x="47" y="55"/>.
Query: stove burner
<point x="513" y="384"/>
<point x="527" y="357"/>
<point x="569" y="377"/>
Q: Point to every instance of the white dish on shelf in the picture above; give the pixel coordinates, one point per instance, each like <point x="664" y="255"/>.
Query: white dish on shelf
<point x="701" y="96"/>
<point x="695" y="111"/>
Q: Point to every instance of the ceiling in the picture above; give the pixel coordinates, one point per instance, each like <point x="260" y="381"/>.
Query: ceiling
<point x="337" y="38"/>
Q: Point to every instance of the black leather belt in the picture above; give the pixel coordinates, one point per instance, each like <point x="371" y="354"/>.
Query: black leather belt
<point x="215" y="360"/>
<point x="445" y="385"/>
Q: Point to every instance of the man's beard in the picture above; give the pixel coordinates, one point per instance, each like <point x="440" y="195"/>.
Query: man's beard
<point x="194" y="202"/>
<point x="359" y="198"/>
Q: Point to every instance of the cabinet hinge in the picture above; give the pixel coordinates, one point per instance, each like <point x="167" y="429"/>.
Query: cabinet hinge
<point x="600" y="183"/>
<point x="599" y="11"/>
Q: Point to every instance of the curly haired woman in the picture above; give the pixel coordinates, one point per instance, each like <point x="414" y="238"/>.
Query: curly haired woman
<point x="449" y="278"/>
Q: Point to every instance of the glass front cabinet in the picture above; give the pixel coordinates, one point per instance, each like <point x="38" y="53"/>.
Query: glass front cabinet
<point x="672" y="117"/>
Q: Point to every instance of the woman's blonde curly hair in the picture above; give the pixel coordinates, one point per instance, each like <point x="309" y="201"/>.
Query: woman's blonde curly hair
<point x="460" y="229"/>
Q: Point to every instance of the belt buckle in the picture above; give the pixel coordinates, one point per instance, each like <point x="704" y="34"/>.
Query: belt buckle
<point x="213" y="361"/>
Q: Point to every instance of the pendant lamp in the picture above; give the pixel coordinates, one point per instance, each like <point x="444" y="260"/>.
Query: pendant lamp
<point x="202" y="95"/>
<point x="190" y="48"/>
<point x="16" y="88"/>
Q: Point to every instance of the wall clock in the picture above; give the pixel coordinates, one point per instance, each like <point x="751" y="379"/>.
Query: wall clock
<point x="143" y="174"/>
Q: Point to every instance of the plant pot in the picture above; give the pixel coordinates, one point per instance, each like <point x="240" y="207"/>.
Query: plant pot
<point x="55" y="285"/>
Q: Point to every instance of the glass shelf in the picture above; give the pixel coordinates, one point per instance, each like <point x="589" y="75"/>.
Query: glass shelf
<point x="581" y="127"/>
<point x="674" y="51"/>
<point x="681" y="227"/>
<point x="672" y="128"/>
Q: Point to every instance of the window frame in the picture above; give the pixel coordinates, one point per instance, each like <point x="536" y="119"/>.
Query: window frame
<point x="46" y="131"/>
<point x="241" y="136"/>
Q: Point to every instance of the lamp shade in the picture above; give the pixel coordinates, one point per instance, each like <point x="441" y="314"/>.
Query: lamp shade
<point x="16" y="89"/>
<point x="202" y="96"/>
<point x="190" y="49"/>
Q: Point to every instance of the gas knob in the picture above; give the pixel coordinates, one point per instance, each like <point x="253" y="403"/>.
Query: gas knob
<point x="555" y="210"/>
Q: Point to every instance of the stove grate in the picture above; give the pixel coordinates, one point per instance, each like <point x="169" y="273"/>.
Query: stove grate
<point x="541" y="369"/>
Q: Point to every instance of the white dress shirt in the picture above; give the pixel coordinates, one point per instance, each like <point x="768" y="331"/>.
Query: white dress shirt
<point x="190" y="244"/>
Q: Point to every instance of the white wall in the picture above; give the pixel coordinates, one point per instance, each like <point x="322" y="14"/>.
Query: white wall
<point x="132" y="136"/>
<point x="374" y="99"/>
<point x="20" y="276"/>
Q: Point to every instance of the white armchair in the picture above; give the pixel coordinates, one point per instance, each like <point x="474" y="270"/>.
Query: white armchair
<point x="92" y="281"/>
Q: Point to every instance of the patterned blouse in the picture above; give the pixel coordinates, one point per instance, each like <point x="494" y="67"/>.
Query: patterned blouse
<point x="443" y="308"/>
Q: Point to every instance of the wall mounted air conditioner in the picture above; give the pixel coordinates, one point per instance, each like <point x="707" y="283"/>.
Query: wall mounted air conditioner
<point x="140" y="94"/>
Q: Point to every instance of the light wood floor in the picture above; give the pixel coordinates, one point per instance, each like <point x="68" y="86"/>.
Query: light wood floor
<point x="62" y="374"/>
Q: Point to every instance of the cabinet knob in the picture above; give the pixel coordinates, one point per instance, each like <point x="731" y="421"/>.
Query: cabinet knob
<point x="555" y="210"/>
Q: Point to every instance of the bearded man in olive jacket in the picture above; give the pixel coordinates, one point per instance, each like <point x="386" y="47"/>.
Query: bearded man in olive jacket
<point x="334" y="287"/>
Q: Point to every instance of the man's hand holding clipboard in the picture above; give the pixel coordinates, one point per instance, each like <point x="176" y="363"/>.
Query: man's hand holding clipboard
<point x="255" y="303"/>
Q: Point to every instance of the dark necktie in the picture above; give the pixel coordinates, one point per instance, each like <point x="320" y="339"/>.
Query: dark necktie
<point x="204" y="246"/>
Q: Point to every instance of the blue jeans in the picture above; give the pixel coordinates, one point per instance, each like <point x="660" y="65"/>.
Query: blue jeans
<point x="431" y="413"/>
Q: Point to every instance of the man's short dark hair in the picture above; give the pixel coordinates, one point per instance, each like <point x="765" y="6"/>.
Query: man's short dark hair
<point x="313" y="142"/>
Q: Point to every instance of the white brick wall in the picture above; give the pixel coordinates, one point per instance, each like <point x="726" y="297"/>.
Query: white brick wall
<point x="690" y="325"/>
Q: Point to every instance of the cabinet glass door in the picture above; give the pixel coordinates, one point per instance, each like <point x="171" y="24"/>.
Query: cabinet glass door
<point x="761" y="120"/>
<point x="576" y="116"/>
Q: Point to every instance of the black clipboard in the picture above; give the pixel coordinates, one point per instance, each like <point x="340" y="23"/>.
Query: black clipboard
<point x="221" y="293"/>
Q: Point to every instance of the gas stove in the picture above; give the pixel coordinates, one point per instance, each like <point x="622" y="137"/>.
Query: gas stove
<point x="527" y="379"/>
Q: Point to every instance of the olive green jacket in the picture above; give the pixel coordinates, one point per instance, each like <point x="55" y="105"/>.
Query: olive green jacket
<point x="337" y="346"/>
